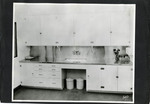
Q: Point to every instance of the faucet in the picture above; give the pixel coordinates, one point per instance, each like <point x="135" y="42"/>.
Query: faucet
<point x="116" y="52"/>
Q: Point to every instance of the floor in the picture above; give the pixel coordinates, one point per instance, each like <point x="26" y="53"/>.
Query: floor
<point x="25" y="93"/>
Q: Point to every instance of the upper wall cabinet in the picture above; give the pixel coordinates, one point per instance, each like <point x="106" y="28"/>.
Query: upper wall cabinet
<point x="120" y="28"/>
<point x="57" y="30"/>
<point x="92" y="29"/>
<point x="77" y="25"/>
<point x="29" y="31"/>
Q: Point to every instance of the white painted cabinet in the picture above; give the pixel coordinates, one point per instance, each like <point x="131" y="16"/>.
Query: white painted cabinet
<point x="110" y="78"/>
<point x="29" y="31"/>
<point x="41" y="75"/>
<point x="57" y="30"/>
<point x="125" y="78"/>
<point x="120" y="28"/>
<point x="92" y="29"/>
<point x="102" y="78"/>
<point x="93" y="79"/>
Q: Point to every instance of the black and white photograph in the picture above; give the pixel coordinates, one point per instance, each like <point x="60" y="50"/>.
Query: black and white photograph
<point x="73" y="52"/>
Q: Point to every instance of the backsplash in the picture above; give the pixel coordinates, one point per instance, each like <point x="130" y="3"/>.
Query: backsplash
<point x="76" y="54"/>
<point x="79" y="54"/>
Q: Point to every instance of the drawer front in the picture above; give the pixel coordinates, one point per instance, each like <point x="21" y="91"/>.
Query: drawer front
<point x="55" y="75"/>
<point x="41" y="74"/>
<point x="56" y="83"/>
<point x="39" y="82"/>
<point x="55" y="69"/>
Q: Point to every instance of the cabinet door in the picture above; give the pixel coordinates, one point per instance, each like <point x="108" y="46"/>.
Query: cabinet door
<point x="120" y="28"/>
<point x="29" y="30"/>
<point x="93" y="79"/>
<point x="125" y="79"/>
<point x="26" y="74"/>
<point x="108" y="76"/>
<point x="57" y="30"/>
<point x="92" y="29"/>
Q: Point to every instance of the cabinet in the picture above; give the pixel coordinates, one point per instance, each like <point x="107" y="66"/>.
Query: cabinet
<point x="120" y="28"/>
<point x="92" y="29"/>
<point x="102" y="78"/>
<point x="41" y="75"/>
<point x="125" y="82"/>
<point x="93" y="79"/>
<point x="57" y="30"/>
<point x="83" y="26"/>
<point x="110" y="78"/>
<point x="29" y="31"/>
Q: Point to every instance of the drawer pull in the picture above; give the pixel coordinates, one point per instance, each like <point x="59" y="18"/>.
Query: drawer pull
<point x="92" y="42"/>
<point x="102" y="68"/>
<point x="53" y="69"/>
<point x="53" y="83"/>
<point x="54" y="75"/>
<point x="40" y="74"/>
<point x="53" y="65"/>
<point x="102" y="87"/>
<point x="40" y="82"/>
<point x="117" y="76"/>
<point x="40" y="68"/>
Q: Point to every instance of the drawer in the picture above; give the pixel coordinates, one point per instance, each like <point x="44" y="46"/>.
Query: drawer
<point x="55" y="75"/>
<point x="41" y="82"/>
<point x="41" y="74"/>
<point x="56" y="83"/>
<point x="55" y="69"/>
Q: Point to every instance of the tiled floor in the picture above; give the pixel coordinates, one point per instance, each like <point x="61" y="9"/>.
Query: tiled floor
<point x="24" y="93"/>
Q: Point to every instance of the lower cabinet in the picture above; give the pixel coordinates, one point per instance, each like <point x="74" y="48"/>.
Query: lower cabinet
<point x="41" y="75"/>
<point x="102" y="78"/>
<point x="109" y="78"/>
<point x="125" y="78"/>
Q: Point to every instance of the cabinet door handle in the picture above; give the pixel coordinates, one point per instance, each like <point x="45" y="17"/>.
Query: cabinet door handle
<point x="102" y="68"/>
<point x="56" y="42"/>
<point x="92" y="42"/>
<point x="117" y="76"/>
<point x="102" y="86"/>
<point x="131" y="69"/>
<point x="40" y="82"/>
<point x="53" y="74"/>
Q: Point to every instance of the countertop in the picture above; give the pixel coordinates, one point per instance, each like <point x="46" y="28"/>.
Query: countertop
<point x="35" y="61"/>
